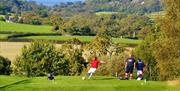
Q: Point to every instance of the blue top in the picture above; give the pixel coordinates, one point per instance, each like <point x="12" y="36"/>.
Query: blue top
<point x="130" y="62"/>
<point x="140" y="65"/>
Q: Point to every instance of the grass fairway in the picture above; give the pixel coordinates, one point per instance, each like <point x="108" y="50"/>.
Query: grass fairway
<point x="24" y="28"/>
<point x="62" y="83"/>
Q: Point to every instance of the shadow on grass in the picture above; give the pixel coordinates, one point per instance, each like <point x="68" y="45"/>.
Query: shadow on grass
<point x="103" y="78"/>
<point x="15" y="83"/>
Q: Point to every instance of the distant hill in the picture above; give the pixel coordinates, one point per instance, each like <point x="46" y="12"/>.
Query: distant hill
<point x="53" y="2"/>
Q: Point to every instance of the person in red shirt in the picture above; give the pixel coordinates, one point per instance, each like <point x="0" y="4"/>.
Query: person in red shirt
<point x="93" y="66"/>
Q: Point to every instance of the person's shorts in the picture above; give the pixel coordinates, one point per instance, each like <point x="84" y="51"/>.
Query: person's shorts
<point x="92" y="70"/>
<point x="139" y="72"/>
<point x="129" y="70"/>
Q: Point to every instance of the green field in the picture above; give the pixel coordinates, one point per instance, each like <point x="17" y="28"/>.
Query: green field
<point x="24" y="28"/>
<point x="74" y="83"/>
<point x="155" y="15"/>
<point x="105" y="13"/>
<point x="4" y="36"/>
<point x="82" y="38"/>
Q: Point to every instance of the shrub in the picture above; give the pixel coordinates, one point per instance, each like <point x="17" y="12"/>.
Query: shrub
<point x="5" y="64"/>
<point x="38" y="59"/>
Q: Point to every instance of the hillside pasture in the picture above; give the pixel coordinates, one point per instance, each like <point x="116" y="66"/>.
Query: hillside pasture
<point x="24" y="28"/>
<point x="82" y="38"/>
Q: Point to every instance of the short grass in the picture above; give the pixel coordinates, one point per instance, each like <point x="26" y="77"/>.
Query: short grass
<point x="155" y="15"/>
<point x="4" y="36"/>
<point x="66" y="83"/>
<point x="82" y="38"/>
<point x="24" y="28"/>
<point x="105" y="13"/>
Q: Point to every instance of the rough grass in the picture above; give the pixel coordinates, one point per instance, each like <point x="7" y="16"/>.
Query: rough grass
<point x="75" y="83"/>
<point x="24" y="28"/>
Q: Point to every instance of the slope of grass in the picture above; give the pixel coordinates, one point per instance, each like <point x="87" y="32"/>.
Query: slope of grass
<point x="82" y="38"/>
<point x="76" y="84"/>
<point x="24" y="28"/>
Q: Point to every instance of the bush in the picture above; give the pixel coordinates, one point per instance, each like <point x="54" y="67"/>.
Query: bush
<point x="114" y="66"/>
<point x="39" y="59"/>
<point x="73" y="55"/>
<point x="5" y="64"/>
<point x="2" y="18"/>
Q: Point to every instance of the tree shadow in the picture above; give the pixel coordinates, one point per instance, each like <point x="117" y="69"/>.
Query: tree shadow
<point x="103" y="78"/>
<point x="15" y="83"/>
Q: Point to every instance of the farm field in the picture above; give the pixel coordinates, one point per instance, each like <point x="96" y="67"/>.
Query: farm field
<point x="4" y="36"/>
<point x="11" y="49"/>
<point x="75" y="83"/>
<point x="24" y="28"/>
<point x="82" y="38"/>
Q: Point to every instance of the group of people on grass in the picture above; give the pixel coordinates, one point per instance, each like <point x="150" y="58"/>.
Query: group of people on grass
<point x="130" y="64"/>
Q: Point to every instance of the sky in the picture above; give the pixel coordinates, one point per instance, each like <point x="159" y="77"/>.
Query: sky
<point x="53" y="2"/>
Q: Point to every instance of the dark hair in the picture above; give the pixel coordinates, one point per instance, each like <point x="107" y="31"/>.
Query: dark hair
<point x="95" y="58"/>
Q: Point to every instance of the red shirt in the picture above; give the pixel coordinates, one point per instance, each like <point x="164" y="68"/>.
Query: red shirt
<point x="94" y="63"/>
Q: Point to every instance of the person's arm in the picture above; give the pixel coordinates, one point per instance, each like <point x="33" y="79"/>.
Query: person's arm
<point x="125" y="64"/>
<point x="102" y="62"/>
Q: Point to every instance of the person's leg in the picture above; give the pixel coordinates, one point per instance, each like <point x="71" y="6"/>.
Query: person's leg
<point x="126" y="73"/>
<point x="90" y="75"/>
<point x="131" y="73"/>
<point x="90" y="72"/>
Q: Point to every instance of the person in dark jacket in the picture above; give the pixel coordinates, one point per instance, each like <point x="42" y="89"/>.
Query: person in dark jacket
<point x="140" y="69"/>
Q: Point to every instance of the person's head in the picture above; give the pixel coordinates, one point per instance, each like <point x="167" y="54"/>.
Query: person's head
<point x="131" y="56"/>
<point x="139" y="59"/>
<point x="95" y="58"/>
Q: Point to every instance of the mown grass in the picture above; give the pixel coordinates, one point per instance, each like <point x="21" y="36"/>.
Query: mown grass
<point x="66" y="83"/>
<point x="105" y="13"/>
<point x="155" y="15"/>
<point x="24" y="28"/>
<point x="82" y="38"/>
<point x="4" y="36"/>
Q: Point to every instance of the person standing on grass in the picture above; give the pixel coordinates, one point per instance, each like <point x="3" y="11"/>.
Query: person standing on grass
<point x="93" y="66"/>
<point x="129" y="66"/>
<point x="140" y="68"/>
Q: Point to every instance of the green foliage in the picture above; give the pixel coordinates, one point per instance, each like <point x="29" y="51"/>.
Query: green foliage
<point x="31" y="18"/>
<point x="39" y="59"/>
<point x="2" y="18"/>
<point x="145" y="52"/>
<point x="73" y="54"/>
<point x="114" y="65"/>
<point x="166" y="49"/>
<point x="99" y="45"/>
<point x="5" y="66"/>
<point x="161" y="48"/>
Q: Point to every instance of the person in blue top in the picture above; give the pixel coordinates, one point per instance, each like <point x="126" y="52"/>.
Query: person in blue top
<point x="140" y="69"/>
<point x="129" y="66"/>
